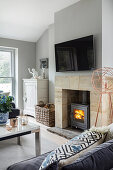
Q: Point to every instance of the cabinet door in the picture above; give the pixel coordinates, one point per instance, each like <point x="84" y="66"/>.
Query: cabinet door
<point x="30" y="97"/>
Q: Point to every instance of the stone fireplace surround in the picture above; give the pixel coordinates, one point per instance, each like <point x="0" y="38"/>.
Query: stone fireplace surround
<point x="63" y="84"/>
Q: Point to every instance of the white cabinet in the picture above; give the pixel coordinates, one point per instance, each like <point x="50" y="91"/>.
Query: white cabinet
<point x="34" y="90"/>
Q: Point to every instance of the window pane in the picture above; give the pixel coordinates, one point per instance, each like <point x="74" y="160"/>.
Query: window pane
<point x="5" y="64"/>
<point x="6" y="85"/>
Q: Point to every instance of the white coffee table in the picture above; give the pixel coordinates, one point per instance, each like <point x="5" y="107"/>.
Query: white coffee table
<point x="22" y="130"/>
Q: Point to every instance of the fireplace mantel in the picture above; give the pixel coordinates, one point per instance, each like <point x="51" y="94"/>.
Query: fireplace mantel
<point x="82" y="83"/>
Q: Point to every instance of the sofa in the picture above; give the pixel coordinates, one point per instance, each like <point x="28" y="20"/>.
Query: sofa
<point x="14" y="112"/>
<point x="98" y="158"/>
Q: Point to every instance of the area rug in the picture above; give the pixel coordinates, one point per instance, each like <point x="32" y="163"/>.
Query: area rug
<point x="68" y="134"/>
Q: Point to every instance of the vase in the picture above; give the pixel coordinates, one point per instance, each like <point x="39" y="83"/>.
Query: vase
<point x="3" y="118"/>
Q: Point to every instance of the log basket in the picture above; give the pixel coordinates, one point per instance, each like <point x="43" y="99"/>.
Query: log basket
<point x="45" y="114"/>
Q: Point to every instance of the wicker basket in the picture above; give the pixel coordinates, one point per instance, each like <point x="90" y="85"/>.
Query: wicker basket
<point x="45" y="114"/>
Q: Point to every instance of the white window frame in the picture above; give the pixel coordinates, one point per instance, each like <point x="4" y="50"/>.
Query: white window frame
<point x="4" y="49"/>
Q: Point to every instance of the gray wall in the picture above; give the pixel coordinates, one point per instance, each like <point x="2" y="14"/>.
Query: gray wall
<point x="81" y="19"/>
<point x="26" y="58"/>
<point x="45" y="49"/>
<point x="51" y="64"/>
<point x="42" y="51"/>
<point x="107" y="33"/>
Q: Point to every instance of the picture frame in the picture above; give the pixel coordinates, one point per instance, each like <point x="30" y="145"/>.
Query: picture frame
<point x="44" y="63"/>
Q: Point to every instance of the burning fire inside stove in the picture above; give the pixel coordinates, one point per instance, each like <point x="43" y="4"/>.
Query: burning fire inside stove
<point x="79" y="114"/>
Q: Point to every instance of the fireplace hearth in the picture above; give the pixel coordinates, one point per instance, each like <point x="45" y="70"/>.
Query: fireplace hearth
<point x="80" y="117"/>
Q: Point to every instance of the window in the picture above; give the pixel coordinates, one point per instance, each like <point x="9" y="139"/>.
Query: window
<point x="7" y="70"/>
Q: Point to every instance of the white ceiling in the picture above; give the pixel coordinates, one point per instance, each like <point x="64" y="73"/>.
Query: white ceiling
<point x="28" y="19"/>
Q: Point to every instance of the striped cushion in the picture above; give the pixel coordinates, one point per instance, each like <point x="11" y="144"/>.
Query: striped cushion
<point x="74" y="148"/>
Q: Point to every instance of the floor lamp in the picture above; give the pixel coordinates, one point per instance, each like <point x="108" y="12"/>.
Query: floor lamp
<point x="102" y="82"/>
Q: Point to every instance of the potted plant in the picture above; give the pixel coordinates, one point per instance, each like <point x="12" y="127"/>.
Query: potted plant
<point x="5" y="108"/>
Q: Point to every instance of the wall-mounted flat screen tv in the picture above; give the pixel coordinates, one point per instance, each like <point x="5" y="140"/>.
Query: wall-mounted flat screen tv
<point x="75" y="55"/>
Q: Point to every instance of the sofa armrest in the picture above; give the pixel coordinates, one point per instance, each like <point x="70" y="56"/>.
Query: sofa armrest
<point x="13" y="105"/>
<point x="30" y="164"/>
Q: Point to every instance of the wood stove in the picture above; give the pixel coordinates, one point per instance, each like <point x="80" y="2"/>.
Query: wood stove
<point x="80" y="117"/>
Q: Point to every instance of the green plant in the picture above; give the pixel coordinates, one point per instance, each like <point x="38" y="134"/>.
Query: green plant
<point x="5" y="103"/>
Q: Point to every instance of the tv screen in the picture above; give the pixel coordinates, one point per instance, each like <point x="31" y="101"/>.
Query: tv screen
<point x="75" y="55"/>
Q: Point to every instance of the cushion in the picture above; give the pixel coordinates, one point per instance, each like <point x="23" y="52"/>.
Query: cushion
<point x="73" y="149"/>
<point x="30" y="164"/>
<point x="110" y="133"/>
<point x="99" y="158"/>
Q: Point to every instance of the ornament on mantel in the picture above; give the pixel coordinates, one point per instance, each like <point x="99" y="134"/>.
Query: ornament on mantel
<point x="34" y="73"/>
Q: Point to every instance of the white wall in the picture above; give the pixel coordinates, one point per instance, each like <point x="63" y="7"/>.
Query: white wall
<point x="42" y="51"/>
<point x="107" y="33"/>
<point x="26" y="58"/>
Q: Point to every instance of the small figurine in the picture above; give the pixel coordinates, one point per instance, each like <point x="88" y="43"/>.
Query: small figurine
<point x="33" y="72"/>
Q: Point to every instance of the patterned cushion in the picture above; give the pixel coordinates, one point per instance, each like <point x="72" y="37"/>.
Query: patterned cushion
<point x="99" y="158"/>
<point x="73" y="149"/>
